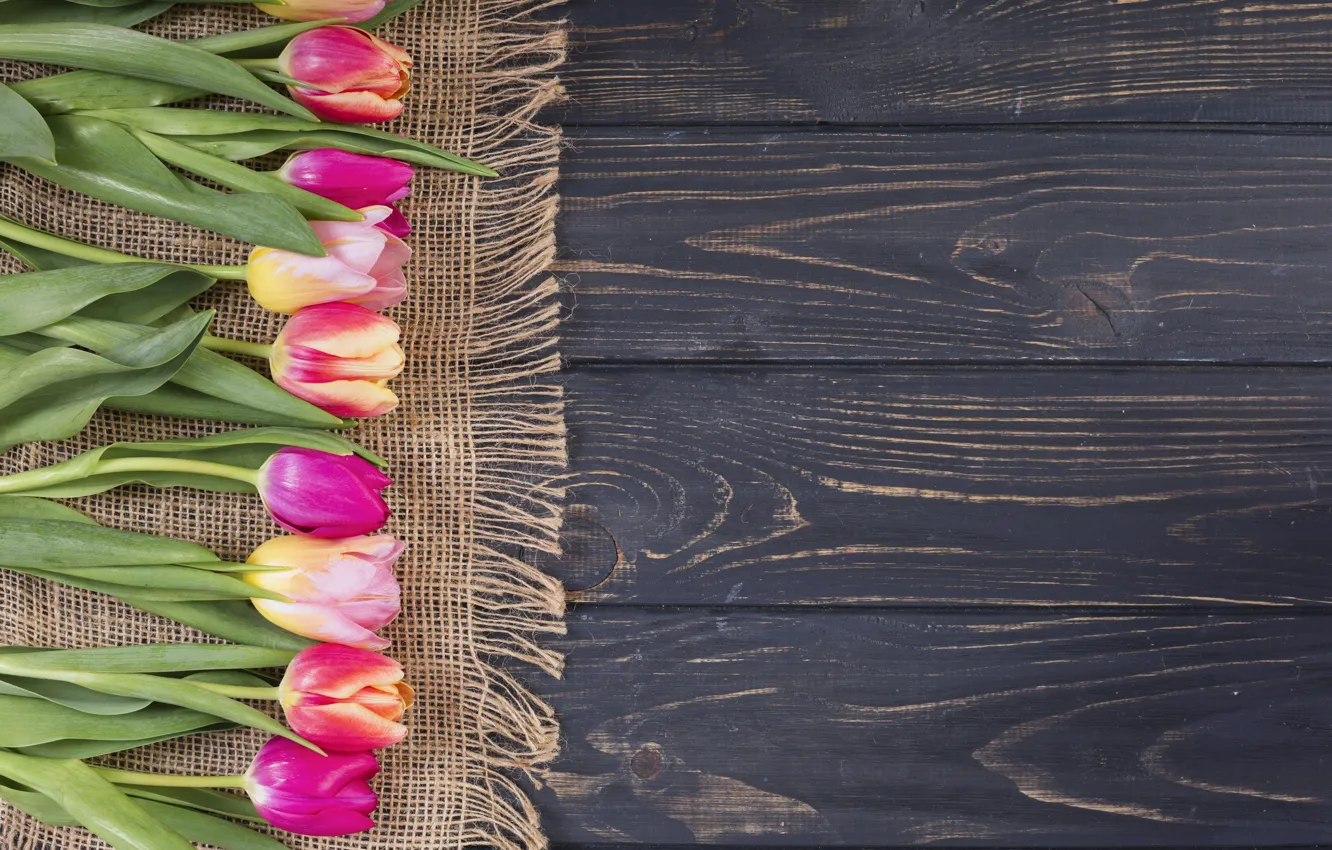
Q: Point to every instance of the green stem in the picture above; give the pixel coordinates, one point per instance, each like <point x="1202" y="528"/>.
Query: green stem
<point x="241" y="691"/>
<point x="69" y="248"/>
<point x="236" y="346"/>
<point x="175" y="464"/>
<point x="163" y="780"/>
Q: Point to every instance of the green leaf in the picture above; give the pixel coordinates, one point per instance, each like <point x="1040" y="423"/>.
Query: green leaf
<point x="159" y="689"/>
<point x="33" y="299"/>
<point x="73" y="696"/>
<point x="67" y="92"/>
<point x="205" y="372"/>
<point x="166" y="582"/>
<point x="282" y="132"/>
<point x="28" y="508"/>
<point x="52" y="394"/>
<point x="61" y="543"/>
<point x="103" y="160"/>
<point x="175" y="400"/>
<point x="49" y="12"/>
<point x="147" y="658"/>
<point x="81" y="748"/>
<point x="23" y="130"/>
<point x="211" y="830"/>
<point x="247" y="447"/>
<point x="97" y="47"/>
<point x="236" y="621"/>
<point x="40" y="258"/>
<point x="29" y="722"/>
<point x="201" y="799"/>
<point x="242" y="179"/>
<point x="92" y="801"/>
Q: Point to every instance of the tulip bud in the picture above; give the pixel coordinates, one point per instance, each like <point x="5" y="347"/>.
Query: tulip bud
<point x="343" y="698"/>
<point x="353" y="180"/>
<point x="354" y="11"/>
<point x="303" y="792"/>
<point x="355" y="77"/>
<point x="323" y="494"/>
<point x="341" y="591"/>
<point x="339" y="357"/>
<point x="363" y="266"/>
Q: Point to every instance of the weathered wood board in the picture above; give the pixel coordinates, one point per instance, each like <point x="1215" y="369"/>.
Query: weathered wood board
<point x="935" y="486"/>
<point x="948" y="246"/>
<point x="816" y="728"/>
<point x="948" y="61"/>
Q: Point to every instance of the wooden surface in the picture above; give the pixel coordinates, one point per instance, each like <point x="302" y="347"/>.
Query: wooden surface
<point x="937" y="478"/>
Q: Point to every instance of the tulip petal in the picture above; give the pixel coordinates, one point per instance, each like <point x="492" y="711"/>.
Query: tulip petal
<point x="396" y="224"/>
<point x="350" y="107"/>
<point x="345" y="726"/>
<point x="341" y="330"/>
<point x="319" y="622"/>
<point x="339" y="672"/>
<point x="322" y="824"/>
<point x="284" y="282"/>
<point x="353" y="11"/>
<point x="346" y="399"/>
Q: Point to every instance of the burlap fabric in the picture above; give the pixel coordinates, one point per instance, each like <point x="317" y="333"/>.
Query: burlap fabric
<point x="475" y="447"/>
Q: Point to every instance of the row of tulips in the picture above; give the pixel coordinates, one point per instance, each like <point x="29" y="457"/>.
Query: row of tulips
<point x="90" y="327"/>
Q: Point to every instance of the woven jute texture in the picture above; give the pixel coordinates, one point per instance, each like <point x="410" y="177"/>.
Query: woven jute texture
<point x="475" y="449"/>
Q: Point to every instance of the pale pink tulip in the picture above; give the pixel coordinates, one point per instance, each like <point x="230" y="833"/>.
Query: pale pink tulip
<point x="354" y="77"/>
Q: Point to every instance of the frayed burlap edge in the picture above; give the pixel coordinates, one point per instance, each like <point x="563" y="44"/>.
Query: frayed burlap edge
<point x="514" y="422"/>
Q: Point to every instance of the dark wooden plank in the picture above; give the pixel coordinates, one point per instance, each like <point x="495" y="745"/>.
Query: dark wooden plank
<point x="1138" y="487"/>
<point x="948" y="61"/>
<point x="948" y="246"/>
<point x="884" y="729"/>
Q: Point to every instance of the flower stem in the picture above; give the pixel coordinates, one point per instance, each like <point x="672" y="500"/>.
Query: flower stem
<point x="241" y="691"/>
<point x="236" y="346"/>
<point x="79" y="251"/>
<point x="164" y="780"/>
<point x="177" y="464"/>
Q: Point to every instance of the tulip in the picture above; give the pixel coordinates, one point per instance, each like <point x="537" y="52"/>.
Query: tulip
<point x="341" y="591"/>
<point x="323" y="494"/>
<point x="343" y="698"/>
<point x="339" y="357"/>
<point x="309" y="794"/>
<point x="292" y="788"/>
<point x="363" y="266"/>
<point x="353" y="11"/>
<point x="355" y="78"/>
<point x="353" y="180"/>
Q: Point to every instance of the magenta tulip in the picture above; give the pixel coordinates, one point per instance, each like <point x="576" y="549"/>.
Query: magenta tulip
<point x="303" y="792"/>
<point x="322" y="494"/>
<point x="339" y="357"/>
<point x="355" y="77"/>
<point x="353" y="180"/>
<point x="340" y="591"/>
<point x="343" y="698"/>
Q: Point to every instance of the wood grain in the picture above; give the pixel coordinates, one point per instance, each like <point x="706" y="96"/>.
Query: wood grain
<point x="948" y="61"/>
<point x="934" y="486"/>
<point x="879" y="729"/>
<point x="948" y="246"/>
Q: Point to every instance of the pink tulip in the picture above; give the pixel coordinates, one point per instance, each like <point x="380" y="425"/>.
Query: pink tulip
<point x="341" y="591"/>
<point x="353" y="180"/>
<point x="322" y="494"/>
<point x="339" y="357"/>
<point x="343" y="698"/>
<point x="354" y="11"/>
<point x="303" y="792"/>
<point x="363" y="266"/>
<point x="355" y="77"/>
